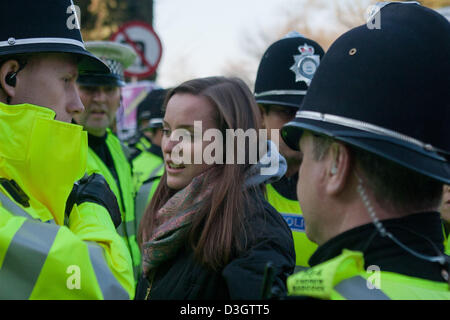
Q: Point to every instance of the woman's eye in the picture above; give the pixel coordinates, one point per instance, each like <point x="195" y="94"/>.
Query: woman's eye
<point x="68" y="80"/>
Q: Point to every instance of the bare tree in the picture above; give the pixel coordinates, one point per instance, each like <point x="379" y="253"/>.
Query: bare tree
<point x="303" y="18"/>
<point x="320" y="20"/>
<point x="101" y="18"/>
<point x="435" y="4"/>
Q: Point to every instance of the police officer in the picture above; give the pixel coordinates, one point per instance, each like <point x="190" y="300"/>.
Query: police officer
<point x="148" y="164"/>
<point x="141" y="140"/>
<point x="282" y="80"/>
<point x="375" y="156"/>
<point x="41" y="156"/>
<point x="101" y="96"/>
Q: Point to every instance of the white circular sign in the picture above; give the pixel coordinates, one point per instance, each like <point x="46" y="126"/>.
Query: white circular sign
<point x="143" y="39"/>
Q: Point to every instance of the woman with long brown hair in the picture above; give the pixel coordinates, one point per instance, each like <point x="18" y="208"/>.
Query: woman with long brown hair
<point x="208" y="233"/>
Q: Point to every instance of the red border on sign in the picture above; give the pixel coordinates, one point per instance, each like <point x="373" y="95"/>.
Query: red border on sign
<point x="122" y="30"/>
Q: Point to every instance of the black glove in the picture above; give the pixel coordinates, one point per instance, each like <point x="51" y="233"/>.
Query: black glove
<point x="94" y="188"/>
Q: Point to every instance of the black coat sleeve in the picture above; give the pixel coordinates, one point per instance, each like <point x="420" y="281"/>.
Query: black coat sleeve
<point x="244" y="275"/>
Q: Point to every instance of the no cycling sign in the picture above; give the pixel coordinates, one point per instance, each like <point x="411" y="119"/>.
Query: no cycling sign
<point x="144" y="40"/>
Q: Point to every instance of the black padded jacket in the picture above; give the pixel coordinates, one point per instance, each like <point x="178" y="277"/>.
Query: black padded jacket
<point x="183" y="278"/>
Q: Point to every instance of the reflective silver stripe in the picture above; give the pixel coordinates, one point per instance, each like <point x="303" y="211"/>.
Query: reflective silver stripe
<point x="25" y="258"/>
<point x="143" y="194"/>
<point x="125" y="227"/>
<point x="12" y="207"/>
<point x="300" y="269"/>
<point x="15" y="42"/>
<point x="121" y="229"/>
<point x="141" y="200"/>
<point x="110" y="287"/>
<point x="355" y="288"/>
<point x="280" y="92"/>
<point x="155" y="121"/>
<point x="364" y="126"/>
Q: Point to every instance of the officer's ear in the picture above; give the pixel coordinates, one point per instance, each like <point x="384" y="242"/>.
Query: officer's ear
<point x="261" y="109"/>
<point x="264" y="111"/>
<point x="8" y="81"/>
<point x="338" y="168"/>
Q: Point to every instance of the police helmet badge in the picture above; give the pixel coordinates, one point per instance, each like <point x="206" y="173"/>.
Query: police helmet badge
<point x="306" y="64"/>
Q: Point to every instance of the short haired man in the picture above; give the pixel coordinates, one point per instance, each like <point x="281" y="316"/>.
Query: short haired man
<point x="57" y="240"/>
<point x="283" y="78"/>
<point x="375" y="155"/>
<point x="101" y="96"/>
<point x="148" y="163"/>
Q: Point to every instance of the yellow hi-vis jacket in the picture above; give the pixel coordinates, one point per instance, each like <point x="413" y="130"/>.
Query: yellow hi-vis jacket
<point x="344" y="278"/>
<point x="40" y="257"/>
<point x="148" y="169"/>
<point x="124" y="192"/>
<point x="292" y="214"/>
<point x="144" y="166"/>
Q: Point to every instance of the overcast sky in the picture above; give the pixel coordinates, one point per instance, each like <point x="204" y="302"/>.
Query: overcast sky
<point x="199" y="36"/>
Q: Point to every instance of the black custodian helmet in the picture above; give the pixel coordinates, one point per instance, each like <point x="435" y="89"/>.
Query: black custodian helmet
<point x="151" y="108"/>
<point x="386" y="90"/>
<point x="44" y="26"/>
<point x="286" y="70"/>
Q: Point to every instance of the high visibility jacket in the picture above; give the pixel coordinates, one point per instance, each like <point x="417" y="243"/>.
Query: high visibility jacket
<point x="147" y="190"/>
<point x="447" y="246"/>
<point x="148" y="168"/>
<point x="124" y="193"/>
<point x="344" y="278"/>
<point x="291" y="212"/>
<point x="446" y="239"/>
<point x="40" y="257"/>
<point x="143" y="144"/>
<point x="136" y="145"/>
<point x="144" y="165"/>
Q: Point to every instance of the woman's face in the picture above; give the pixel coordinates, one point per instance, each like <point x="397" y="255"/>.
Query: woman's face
<point x="183" y="162"/>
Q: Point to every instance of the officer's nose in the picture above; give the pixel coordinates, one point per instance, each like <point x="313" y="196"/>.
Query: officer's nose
<point x="74" y="104"/>
<point x="99" y="95"/>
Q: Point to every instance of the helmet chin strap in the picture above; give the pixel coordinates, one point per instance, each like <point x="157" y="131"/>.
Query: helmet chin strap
<point x="440" y="258"/>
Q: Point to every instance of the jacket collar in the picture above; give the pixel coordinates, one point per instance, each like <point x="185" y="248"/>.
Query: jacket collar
<point x="412" y="231"/>
<point x="44" y="157"/>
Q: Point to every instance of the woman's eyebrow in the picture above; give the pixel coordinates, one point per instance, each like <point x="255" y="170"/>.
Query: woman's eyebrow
<point x="188" y="127"/>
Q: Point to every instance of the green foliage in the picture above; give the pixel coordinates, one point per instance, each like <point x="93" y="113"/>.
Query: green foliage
<point x="101" y="18"/>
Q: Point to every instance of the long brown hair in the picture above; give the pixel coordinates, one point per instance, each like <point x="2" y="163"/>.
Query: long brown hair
<point x="218" y="231"/>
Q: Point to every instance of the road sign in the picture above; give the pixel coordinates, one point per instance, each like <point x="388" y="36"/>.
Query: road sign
<point x="146" y="43"/>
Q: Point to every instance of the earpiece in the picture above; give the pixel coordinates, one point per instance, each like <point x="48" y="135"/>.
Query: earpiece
<point x="11" y="79"/>
<point x="333" y="169"/>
